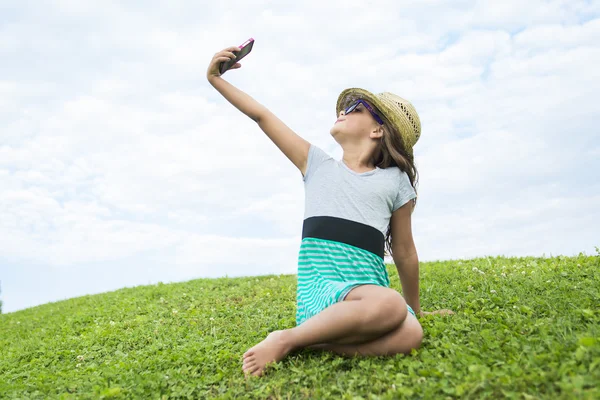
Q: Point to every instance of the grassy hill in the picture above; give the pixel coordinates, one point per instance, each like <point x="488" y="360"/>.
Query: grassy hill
<point x="525" y="328"/>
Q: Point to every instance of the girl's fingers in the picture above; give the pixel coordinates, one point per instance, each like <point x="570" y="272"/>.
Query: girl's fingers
<point x="226" y="52"/>
<point x="221" y="55"/>
<point x="223" y="59"/>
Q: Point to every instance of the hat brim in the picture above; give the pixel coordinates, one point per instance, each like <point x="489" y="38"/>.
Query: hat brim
<point x="357" y="93"/>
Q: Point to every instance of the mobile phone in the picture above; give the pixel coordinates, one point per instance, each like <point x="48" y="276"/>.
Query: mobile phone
<point x="246" y="47"/>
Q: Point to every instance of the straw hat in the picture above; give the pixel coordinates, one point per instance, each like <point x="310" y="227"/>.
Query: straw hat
<point x="398" y="111"/>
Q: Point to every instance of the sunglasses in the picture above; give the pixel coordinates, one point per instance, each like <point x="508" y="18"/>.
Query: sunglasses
<point x="353" y="106"/>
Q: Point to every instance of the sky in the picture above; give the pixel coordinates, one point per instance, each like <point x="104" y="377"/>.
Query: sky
<point x="120" y="165"/>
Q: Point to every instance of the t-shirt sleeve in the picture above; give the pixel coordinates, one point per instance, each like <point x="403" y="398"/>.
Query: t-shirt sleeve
<point x="405" y="192"/>
<point x="316" y="157"/>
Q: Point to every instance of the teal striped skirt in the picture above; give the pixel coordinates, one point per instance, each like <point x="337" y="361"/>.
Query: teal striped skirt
<point x="328" y="270"/>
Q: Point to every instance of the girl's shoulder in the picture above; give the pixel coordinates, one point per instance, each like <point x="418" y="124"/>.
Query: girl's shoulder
<point x="401" y="178"/>
<point x="395" y="171"/>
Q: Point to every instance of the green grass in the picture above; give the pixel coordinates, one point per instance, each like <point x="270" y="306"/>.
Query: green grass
<point x="525" y="328"/>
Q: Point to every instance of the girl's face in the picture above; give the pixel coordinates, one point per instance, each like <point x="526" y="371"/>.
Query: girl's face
<point x="356" y="125"/>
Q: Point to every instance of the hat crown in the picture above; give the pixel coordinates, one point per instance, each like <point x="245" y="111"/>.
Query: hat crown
<point x="405" y="111"/>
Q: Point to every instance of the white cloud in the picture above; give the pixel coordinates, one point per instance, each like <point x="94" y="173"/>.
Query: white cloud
<point x="114" y="147"/>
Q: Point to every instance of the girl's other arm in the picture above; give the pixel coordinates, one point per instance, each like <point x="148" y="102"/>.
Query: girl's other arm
<point x="406" y="259"/>
<point x="405" y="255"/>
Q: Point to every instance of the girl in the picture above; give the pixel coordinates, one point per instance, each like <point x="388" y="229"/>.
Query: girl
<point x="354" y="208"/>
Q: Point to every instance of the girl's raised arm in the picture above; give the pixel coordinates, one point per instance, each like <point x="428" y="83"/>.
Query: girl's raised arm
<point x="291" y="144"/>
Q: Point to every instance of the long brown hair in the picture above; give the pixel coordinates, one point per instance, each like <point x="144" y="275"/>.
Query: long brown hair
<point x="391" y="153"/>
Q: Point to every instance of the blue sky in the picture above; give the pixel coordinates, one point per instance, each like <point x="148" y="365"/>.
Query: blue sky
<point x="121" y="166"/>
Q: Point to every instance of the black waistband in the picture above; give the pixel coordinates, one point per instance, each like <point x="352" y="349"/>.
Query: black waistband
<point x="345" y="231"/>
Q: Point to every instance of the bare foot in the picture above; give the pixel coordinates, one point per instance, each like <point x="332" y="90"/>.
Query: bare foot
<point x="271" y="350"/>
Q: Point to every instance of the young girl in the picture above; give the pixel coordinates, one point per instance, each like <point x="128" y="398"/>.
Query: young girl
<point x="354" y="207"/>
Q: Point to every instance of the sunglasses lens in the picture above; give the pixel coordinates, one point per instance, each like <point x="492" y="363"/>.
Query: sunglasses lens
<point x="351" y="108"/>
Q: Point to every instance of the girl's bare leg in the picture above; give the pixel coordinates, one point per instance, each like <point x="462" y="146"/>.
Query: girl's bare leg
<point x="403" y="339"/>
<point x="368" y="312"/>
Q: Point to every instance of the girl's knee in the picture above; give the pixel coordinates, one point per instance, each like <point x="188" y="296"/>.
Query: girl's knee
<point x="388" y="308"/>
<point x="396" y="307"/>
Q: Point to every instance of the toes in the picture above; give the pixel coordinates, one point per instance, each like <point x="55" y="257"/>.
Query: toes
<point x="248" y="366"/>
<point x="248" y="353"/>
<point x="252" y="370"/>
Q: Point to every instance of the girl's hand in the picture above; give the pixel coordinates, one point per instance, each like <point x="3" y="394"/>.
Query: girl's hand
<point x="441" y="312"/>
<point x="222" y="56"/>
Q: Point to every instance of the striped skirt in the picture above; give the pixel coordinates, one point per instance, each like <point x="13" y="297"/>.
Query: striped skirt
<point x="336" y="255"/>
<point x="328" y="270"/>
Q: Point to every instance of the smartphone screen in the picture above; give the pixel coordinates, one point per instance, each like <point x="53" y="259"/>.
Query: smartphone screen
<point x="246" y="47"/>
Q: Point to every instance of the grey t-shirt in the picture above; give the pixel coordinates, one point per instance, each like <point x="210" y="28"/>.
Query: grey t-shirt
<point x="332" y="189"/>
